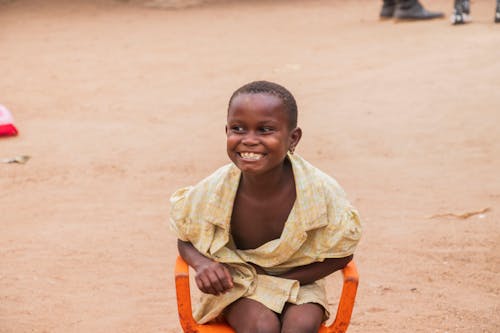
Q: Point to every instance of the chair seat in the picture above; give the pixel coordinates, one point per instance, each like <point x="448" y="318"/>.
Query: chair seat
<point x="189" y="325"/>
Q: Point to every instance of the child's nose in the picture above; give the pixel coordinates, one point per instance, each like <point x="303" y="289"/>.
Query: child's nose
<point x="250" y="139"/>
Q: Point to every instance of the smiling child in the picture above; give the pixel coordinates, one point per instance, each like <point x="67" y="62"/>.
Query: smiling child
<point x="262" y="232"/>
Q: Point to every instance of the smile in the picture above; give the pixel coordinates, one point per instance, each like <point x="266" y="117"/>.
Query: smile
<point x="251" y="156"/>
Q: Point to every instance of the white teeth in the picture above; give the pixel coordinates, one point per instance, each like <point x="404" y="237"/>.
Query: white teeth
<point x="251" y="156"/>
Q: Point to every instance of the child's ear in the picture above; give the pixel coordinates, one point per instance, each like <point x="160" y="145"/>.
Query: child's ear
<point x="296" y="135"/>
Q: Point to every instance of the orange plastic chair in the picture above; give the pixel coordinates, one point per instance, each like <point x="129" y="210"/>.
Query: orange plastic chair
<point x="189" y="325"/>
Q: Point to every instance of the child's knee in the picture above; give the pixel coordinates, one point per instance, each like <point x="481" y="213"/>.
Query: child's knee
<point x="248" y="316"/>
<point x="268" y="324"/>
<point x="306" y="320"/>
<point x="264" y="323"/>
<point x="304" y="325"/>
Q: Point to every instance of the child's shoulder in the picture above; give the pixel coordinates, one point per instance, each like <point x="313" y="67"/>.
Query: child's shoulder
<point x="218" y="178"/>
<point x="309" y="176"/>
<point x="214" y="183"/>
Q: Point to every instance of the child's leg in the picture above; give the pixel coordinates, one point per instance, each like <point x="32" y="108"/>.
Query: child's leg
<point x="304" y="318"/>
<point x="249" y="316"/>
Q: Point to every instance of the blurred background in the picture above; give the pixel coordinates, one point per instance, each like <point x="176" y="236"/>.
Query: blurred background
<point x="119" y="103"/>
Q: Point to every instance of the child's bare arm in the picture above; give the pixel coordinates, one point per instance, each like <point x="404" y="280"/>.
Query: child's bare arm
<point x="212" y="277"/>
<point x="315" y="271"/>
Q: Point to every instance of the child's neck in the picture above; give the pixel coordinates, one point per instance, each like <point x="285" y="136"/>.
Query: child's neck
<point x="267" y="184"/>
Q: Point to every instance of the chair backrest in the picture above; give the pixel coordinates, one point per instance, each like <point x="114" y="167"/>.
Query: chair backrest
<point x="189" y="325"/>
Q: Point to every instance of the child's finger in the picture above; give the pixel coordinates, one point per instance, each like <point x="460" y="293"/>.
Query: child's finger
<point x="199" y="283"/>
<point x="204" y="284"/>
<point x="228" y="279"/>
<point x="224" y="279"/>
<point x="216" y="283"/>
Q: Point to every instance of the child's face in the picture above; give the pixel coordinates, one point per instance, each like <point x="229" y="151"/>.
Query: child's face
<point x="258" y="133"/>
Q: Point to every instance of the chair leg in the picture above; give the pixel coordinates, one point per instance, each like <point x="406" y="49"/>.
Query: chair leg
<point x="189" y="325"/>
<point x="347" y="298"/>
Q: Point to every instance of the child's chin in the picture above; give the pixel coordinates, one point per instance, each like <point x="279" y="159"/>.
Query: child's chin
<point x="249" y="169"/>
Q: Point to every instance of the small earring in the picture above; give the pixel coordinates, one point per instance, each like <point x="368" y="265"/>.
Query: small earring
<point x="291" y="150"/>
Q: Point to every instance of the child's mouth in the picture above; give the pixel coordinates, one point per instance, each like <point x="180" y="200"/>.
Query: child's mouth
<point x="251" y="156"/>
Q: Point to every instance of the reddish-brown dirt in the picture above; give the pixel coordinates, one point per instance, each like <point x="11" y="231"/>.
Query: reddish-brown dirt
<point x="119" y="104"/>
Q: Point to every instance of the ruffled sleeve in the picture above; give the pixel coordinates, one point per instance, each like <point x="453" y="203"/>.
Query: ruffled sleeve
<point x="342" y="233"/>
<point x="179" y="214"/>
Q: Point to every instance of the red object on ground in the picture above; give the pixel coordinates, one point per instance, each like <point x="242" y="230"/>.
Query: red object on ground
<point x="7" y="127"/>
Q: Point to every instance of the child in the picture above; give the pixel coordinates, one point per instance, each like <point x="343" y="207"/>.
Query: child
<point x="262" y="233"/>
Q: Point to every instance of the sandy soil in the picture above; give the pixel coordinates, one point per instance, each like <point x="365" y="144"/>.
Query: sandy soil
<point x="119" y="103"/>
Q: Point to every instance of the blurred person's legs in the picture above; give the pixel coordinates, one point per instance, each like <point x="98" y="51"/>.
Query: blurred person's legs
<point x="388" y="8"/>
<point x="413" y="10"/>
<point x="497" y="13"/>
<point x="407" y="10"/>
<point x="461" y="12"/>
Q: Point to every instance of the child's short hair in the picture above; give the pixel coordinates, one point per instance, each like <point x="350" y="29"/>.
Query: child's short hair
<point x="266" y="87"/>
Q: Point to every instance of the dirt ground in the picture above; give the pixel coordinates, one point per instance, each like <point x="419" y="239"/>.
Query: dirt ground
<point x="119" y="103"/>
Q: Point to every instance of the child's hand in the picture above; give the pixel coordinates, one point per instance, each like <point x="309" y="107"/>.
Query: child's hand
<point x="213" y="278"/>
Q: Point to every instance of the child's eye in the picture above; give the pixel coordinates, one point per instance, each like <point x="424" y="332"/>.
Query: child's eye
<point x="237" y="129"/>
<point x="266" y="129"/>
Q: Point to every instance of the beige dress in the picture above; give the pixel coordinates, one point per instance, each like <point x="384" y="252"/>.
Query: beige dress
<point x="322" y="224"/>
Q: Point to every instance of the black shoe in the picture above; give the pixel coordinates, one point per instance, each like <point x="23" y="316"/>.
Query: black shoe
<point x="461" y="12"/>
<point x="413" y="10"/>
<point x="497" y="14"/>
<point x="388" y="8"/>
